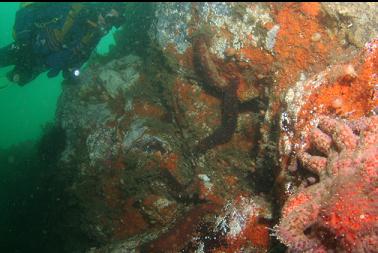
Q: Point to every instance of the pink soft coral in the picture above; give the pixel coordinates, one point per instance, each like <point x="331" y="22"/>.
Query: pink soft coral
<point x="340" y="212"/>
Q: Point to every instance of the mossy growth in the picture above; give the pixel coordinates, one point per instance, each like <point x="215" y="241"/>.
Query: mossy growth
<point x="267" y="167"/>
<point x="159" y="67"/>
<point x="159" y="72"/>
<point x="238" y="10"/>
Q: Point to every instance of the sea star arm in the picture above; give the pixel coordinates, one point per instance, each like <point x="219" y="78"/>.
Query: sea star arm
<point x="321" y="141"/>
<point x="226" y="90"/>
<point x="315" y="164"/>
<point x="342" y="135"/>
<point x="300" y="214"/>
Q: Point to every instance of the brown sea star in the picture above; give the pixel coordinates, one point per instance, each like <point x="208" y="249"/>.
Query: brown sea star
<point x="222" y="88"/>
<point x="340" y="212"/>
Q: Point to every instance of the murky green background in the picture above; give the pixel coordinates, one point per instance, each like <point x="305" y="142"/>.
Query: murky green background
<point x="23" y="110"/>
<point x="30" y="196"/>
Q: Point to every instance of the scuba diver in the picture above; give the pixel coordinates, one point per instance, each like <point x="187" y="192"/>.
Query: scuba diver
<point x="57" y="37"/>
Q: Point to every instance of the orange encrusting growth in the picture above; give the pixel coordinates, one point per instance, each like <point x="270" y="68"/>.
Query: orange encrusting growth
<point x="294" y="48"/>
<point x="257" y="233"/>
<point x="191" y="100"/>
<point x="146" y="109"/>
<point x="346" y="96"/>
<point x="258" y="58"/>
<point x="254" y="233"/>
<point x="169" y="162"/>
<point x="131" y="221"/>
<point x="310" y="8"/>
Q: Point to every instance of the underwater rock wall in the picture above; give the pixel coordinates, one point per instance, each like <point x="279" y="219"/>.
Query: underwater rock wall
<point x="185" y="138"/>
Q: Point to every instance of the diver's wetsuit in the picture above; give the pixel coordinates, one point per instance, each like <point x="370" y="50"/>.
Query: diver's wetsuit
<point x="26" y="65"/>
<point x="54" y="37"/>
<point x="7" y="55"/>
<point x="22" y="53"/>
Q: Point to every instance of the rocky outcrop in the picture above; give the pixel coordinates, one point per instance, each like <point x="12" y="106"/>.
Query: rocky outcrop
<point x="189" y="129"/>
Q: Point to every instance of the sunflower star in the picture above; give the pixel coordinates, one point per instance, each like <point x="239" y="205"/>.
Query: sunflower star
<point x="340" y="212"/>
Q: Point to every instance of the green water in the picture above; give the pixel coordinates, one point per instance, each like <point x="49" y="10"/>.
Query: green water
<point x="24" y="110"/>
<point x="31" y="196"/>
